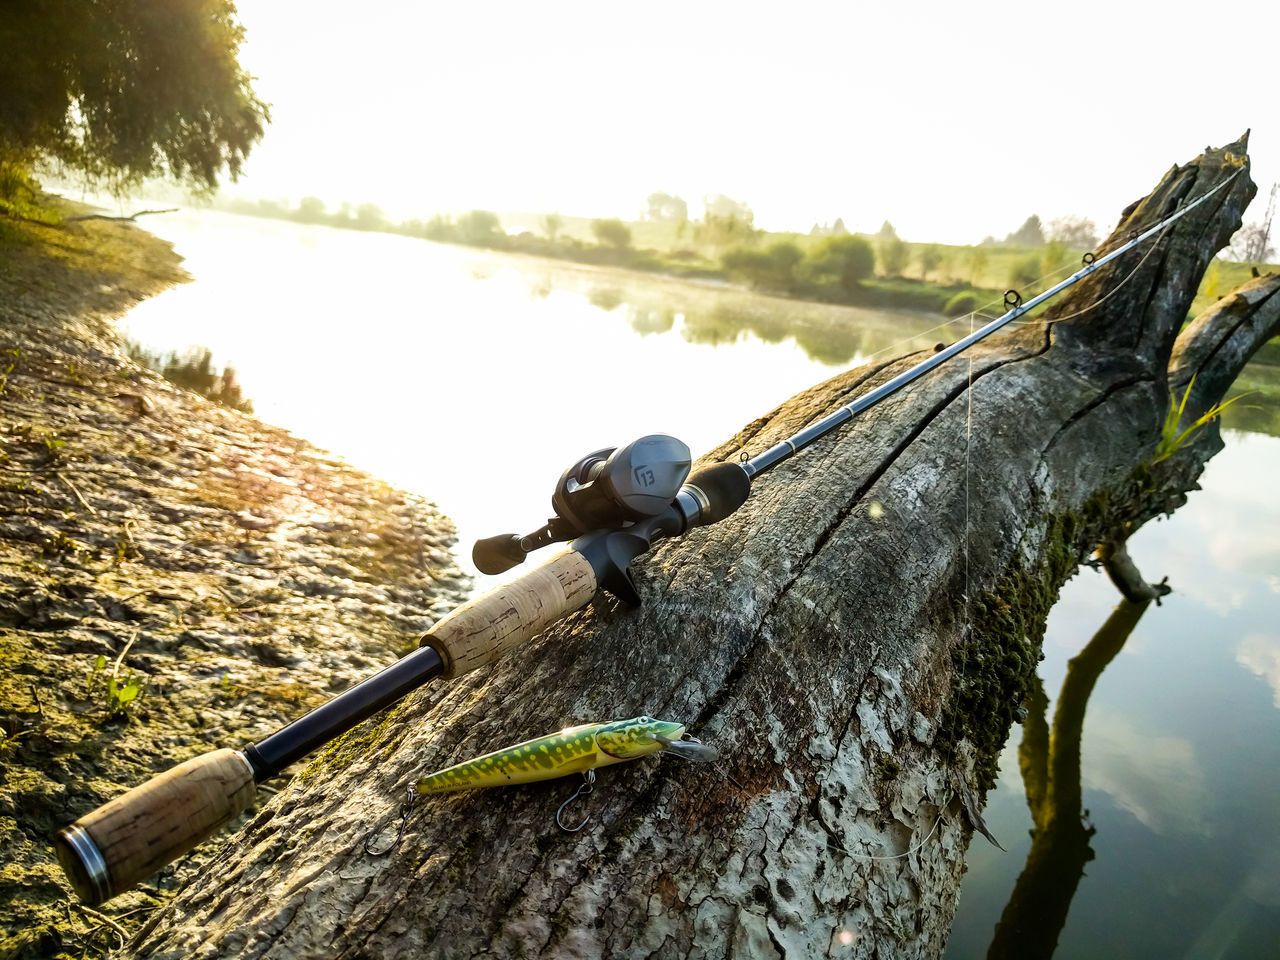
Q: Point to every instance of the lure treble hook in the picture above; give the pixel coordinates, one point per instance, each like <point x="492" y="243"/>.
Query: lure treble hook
<point x="588" y="784"/>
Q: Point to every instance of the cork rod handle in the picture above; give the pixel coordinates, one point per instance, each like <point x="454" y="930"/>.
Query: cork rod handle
<point x="484" y="629"/>
<point x="125" y="841"/>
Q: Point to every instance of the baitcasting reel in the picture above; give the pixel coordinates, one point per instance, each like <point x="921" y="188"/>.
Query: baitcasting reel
<point x="605" y="490"/>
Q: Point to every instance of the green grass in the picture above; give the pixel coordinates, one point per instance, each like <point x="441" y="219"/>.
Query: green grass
<point x="1222" y="277"/>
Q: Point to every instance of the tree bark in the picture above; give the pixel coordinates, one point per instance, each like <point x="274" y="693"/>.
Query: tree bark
<point x="856" y="641"/>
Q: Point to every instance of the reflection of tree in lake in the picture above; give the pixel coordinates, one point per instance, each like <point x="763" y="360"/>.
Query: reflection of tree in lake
<point x="833" y="336"/>
<point x="1259" y="409"/>
<point x="606" y="298"/>
<point x="646" y="321"/>
<point x="726" y="322"/>
<point x="1050" y="764"/>
<point x="716" y="316"/>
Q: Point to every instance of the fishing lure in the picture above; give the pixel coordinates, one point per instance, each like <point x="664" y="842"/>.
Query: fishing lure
<point x="573" y="750"/>
<point x="579" y="749"/>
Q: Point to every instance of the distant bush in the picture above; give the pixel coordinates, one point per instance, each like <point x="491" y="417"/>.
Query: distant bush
<point x="773" y="268"/>
<point x="966" y="301"/>
<point x="845" y="259"/>
<point x="194" y="370"/>
<point x="783" y="258"/>
<point x="612" y="232"/>
<point x="1025" y="271"/>
<point x="441" y="228"/>
<point x="930" y="256"/>
<point x="893" y="253"/>
<point x="750" y="265"/>
<point x="480" y="228"/>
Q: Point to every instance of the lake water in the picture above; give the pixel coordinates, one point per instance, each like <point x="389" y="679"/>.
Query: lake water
<point x="475" y="378"/>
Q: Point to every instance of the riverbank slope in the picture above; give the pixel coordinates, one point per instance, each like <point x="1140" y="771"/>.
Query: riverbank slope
<point x="174" y="576"/>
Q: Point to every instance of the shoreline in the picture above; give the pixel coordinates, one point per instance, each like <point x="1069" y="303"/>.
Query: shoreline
<point x="904" y="294"/>
<point x="228" y="572"/>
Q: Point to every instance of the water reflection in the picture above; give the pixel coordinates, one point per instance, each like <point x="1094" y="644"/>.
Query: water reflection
<point x="1258" y="410"/>
<point x="606" y="298"/>
<point x="1049" y="759"/>
<point x="714" y="315"/>
<point x="1167" y="792"/>
<point x="1260" y="655"/>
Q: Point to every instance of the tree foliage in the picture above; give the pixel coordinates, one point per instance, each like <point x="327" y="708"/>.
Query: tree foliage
<point x="1030" y="234"/>
<point x="612" y="232"/>
<point x="1076" y="232"/>
<point x="666" y="207"/>
<point x="1252" y="242"/>
<point x="894" y="253"/>
<point x="717" y="205"/>
<point x="310" y="210"/>
<point x="930" y="259"/>
<point x="843" y="261"/>
<point x="551" y="224"/>
<point x="479" y="227"/>
<point x="1024" y="271"/>
<point x="832" y="230"/>
<point x="721" y="232"/>
<point x="846" y="259"/>
<point x="978" y="258"/>
<point x="369" y="216"/>
<point x="195" y="370"/>
<point x="120" y="91"/>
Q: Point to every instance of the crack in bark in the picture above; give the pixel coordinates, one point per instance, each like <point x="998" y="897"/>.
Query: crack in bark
<point x="862" y="689"/>
<point x="1103" y="397"/>
<point x="747" y="659"/>
<point x="777" y="944"/>
<point x="882" y="467"/>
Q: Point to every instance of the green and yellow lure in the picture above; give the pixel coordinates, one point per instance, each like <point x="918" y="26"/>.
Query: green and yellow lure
<point x="572" y="750"/>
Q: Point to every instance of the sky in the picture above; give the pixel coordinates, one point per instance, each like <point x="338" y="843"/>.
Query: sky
<point x="952" y="121"/>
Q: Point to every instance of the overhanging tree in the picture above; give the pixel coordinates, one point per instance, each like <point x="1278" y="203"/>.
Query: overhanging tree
<point x="121" y="90"/>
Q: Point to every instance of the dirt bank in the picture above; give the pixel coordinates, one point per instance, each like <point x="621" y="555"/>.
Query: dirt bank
<point x="228" y="572"/>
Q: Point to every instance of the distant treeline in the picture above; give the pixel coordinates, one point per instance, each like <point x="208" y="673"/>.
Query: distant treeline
<point x="828" y="264"/>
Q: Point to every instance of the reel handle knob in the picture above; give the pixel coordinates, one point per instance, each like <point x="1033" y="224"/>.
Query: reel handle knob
<point x="497" y="554"/>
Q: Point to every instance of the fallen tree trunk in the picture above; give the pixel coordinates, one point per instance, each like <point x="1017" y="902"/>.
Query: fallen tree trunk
<point x="856" y="640"/>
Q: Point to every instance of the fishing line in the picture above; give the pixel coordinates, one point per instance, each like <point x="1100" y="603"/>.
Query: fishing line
<point x="968" y="439"/>
<point x="832" y="845"/>
<point x="1109" y="294"/>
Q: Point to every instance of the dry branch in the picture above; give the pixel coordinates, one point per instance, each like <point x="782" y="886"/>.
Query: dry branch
<point x="102" y="216"/>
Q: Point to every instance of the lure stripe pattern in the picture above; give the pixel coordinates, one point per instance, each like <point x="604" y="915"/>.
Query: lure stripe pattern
<point x="572" y="750"/>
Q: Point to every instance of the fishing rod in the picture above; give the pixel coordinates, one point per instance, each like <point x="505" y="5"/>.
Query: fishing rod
<point x="613" y="504"/>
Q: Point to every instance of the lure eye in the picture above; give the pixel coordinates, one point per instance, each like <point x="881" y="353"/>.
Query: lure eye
<point x="646" y="720"/>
